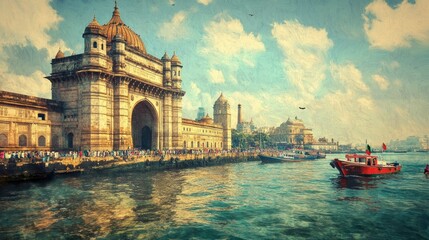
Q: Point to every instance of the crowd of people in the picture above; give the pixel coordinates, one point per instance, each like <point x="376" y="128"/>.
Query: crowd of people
<point x="88" y="154"/>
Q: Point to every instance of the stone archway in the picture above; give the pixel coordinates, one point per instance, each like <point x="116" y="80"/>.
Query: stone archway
<point x="144" y="126"/>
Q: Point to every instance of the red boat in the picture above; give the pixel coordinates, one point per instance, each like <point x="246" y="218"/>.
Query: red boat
<point x="364" y="165"/>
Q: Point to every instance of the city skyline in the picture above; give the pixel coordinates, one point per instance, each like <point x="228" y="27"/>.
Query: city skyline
<point x="359" y="68"/>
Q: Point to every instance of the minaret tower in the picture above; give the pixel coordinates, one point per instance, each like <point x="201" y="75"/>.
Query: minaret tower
<point x="95" y="38"/>
<point x="222" y="116"/>
<point x="176" y="71"/>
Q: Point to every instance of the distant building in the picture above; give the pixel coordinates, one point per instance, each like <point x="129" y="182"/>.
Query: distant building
<point x="325" y="145"/>
<point x="266" y="130"/>
<point x="424" y="142"/>
<point x="293" y="132"/>
<point x="242" y="126"/>
<point x="201" y="113"/>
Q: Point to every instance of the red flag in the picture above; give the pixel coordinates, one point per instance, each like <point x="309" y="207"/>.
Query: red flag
<point x="368" y="149"/>
<point x="384" y="147"/>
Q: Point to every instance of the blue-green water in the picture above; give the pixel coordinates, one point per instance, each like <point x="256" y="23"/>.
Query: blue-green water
<point x="302" y="200"/>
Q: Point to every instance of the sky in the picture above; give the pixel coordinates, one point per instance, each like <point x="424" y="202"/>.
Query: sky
<point x="360" y="68"/>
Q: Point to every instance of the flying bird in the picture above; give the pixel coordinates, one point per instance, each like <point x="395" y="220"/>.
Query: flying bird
<point x="301" y="107"/>
<point x="251" y="14"/>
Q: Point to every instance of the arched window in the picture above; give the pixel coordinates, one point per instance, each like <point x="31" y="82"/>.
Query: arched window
<point x="178" y="73"/>
<point x="22" y="140"/>
<point x="42" y="141"/>
<point x="94" y="44"/>
<point x="192" y="144"/>
<point x="174" y="73"/>
<point x="102" y="46"/>
<point x="3" y="140"/>
<point x="184" y="144"/>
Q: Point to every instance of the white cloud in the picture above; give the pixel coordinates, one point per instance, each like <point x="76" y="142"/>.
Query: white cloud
<point x="216" y="76"/>
<point x="28" y="22"/>
<point x="304" y="49"/>
<point x="227" y="46"/>
<point x="204" y="2"/>
<point x="195" y="89"/>
<point x="382" y="83"/>
<point x="389" y="28"/>
<point x="33" y="85"/>
<point x="175" y="28"/>
<point x="349" y="76"/>
<point x="226" y="36"/>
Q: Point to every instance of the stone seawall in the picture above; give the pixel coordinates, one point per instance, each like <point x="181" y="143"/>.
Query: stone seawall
<point x="25" y="170"/>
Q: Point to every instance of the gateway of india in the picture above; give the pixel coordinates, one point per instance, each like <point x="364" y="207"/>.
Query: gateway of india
<point x="114" y="96"/>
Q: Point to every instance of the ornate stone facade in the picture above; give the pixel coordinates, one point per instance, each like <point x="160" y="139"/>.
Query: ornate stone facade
<point x="293" y="132"/>
<point x="116" y="96"/>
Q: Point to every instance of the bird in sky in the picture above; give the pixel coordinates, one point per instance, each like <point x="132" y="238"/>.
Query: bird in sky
<point x="302" y="108"/>
<point x="251" y="14"/>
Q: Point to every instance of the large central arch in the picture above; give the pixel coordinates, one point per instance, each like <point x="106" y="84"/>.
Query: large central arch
<point x="144" y="126"/>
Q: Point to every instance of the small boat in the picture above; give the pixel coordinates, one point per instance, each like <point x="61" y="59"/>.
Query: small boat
<point x="276" y="158"/>
<point x="364" y="165"/>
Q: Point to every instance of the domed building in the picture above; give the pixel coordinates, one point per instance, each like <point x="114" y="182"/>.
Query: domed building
<point x="114" y="95"/>
<point x="293" y="133"/>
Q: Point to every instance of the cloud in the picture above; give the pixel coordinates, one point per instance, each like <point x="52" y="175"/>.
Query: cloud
<point x="204" y="2"/>
<point x="227" y="46"/>
<point x="382" y="83"/>
<point x="389" y="28"/>
<point x="175" y="28"/>
<point x="34" y="84"/>
<point x="36" y="19"/>
<point x="226" y="36"/>
<point x="304" y="49"/>
<point x="26" y="25"/>
<point x="216" y="76"/>
<point x="195" y="89"/>
<point x="349" y="76"/>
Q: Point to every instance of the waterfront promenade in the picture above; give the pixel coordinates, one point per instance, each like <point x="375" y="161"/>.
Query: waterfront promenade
<point x="73" y="161"/>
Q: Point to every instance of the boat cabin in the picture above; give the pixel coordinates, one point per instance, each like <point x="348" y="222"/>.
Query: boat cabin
<point x="362" y="159"/>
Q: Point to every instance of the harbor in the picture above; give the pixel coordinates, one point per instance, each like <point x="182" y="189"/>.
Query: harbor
<point x="246" y="200"/>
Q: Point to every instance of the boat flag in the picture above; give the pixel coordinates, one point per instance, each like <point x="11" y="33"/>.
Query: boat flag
<point x="384" y="147"/>
<point x="368" y="149"/>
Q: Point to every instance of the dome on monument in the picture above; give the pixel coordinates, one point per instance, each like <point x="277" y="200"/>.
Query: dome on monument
<point x="60" y="54"/>
<point x="175" y="58"/>
<point x="94" y="27"/>
<point x="165" y="57"/>
<point x="207" y="120"/>
<point x="117" y="26"/>
<point x="221" y="100"/>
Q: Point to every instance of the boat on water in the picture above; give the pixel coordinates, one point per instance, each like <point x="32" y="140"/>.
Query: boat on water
<point x="364" y="165"/>
<point x="287" y="156"/>
<point x="304" y="155"/>
<point x="277" y="158"/>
